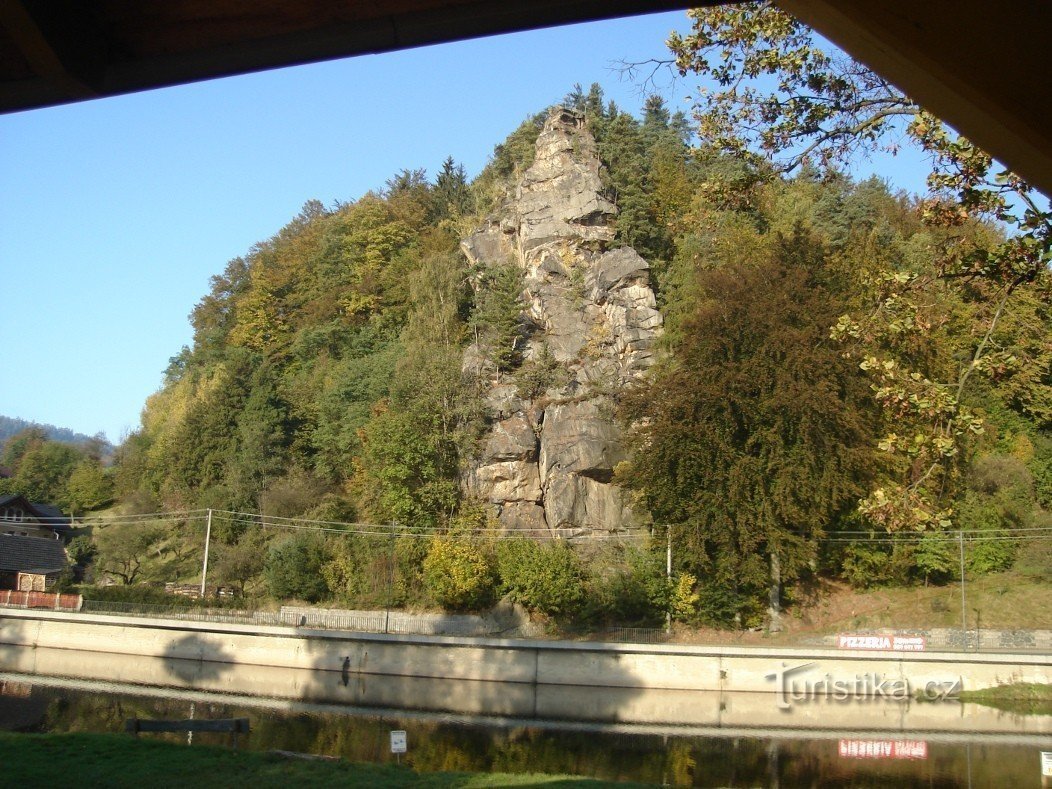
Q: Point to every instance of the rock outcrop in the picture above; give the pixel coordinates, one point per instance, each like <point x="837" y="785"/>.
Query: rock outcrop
<point x="589" y="325"/>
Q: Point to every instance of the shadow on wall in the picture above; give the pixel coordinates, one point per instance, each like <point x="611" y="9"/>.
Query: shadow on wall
<point x="450" y="675"/>
<point x="194" y="661"/>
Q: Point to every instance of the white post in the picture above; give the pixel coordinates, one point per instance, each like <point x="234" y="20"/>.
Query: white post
<point x="204" y="567"/>
<point x="668" y="574"/>
<point x="964" y="610"/>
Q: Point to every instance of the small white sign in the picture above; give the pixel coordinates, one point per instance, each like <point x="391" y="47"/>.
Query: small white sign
<point x="1046" y="763"/>
<point x="398" y="742"/>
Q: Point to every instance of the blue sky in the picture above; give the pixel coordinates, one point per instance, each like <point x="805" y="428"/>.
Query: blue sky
<point x="115" y="213"/>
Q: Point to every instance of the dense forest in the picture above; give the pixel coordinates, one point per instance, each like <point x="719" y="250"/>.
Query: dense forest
<point x="811" y="329"/>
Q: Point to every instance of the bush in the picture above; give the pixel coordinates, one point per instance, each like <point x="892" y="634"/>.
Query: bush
<point x="361" y="569"/>
<point x="684" y="599"/>
<point x="458" y="574"/>
<point x="629" y="589"/>
<point x="545" y="578"/>
<point x="293" y="568"/>
<point x="142" y="594"/>
<point x="865" y="565"/>
<point x="1035" y="562"/>
<point x="409" y="588"/>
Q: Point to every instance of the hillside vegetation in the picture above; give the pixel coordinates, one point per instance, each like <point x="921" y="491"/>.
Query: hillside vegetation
<point x="324" y="386"/>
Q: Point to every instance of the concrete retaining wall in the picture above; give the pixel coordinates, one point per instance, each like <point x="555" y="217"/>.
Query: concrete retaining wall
<point x="617" y="683"/>
<point x="668" y="667"/>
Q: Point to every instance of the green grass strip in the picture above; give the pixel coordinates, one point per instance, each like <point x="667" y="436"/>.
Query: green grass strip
<point x="1024" y="698"/>
<point x="115" y="760"/>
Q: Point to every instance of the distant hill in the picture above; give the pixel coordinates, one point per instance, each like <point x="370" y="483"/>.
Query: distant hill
<point x="11" y="425"/>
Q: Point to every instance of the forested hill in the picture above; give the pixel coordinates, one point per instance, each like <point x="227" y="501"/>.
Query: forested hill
<point x="10" y="426"/>
<point x="327" y="376"/>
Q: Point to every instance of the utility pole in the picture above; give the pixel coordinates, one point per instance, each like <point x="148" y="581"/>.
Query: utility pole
<point x="964" y="610"/>
<point x="204" y="567"/>
<point x="668" y="574"/>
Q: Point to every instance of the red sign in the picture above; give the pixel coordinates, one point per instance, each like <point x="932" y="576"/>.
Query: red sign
<point x="883" y="749"/>
<point x="892" y="643"/>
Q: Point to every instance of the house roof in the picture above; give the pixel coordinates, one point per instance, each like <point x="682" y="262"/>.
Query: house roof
<point x="46" y="514"/>
<point x="50" y="514"/>
<point x="31" y="555"/>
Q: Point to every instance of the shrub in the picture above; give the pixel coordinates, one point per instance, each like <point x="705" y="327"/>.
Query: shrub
<point x="545" y="578"/>
<point x="293" y="568"/>
<point x="361" y="570"/>
<point x="458" y="573"/>
<point x="684" y="599"/>
<point x="865" y="565"/>
<point x="629" y="587"/>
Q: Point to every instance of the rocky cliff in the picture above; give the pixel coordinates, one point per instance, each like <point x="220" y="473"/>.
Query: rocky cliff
<point x="588" y="328"/>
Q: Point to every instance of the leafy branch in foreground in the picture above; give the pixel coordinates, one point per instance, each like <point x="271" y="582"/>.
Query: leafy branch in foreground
<point x="781" y="102"/>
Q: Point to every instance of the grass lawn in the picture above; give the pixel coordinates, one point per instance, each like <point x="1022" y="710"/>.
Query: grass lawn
<point x="115" y="760"/>
<point x="1009" y="600"/>
<point x="1024" y="698"/>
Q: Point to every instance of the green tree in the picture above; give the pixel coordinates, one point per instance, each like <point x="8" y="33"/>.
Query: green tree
<point x="89" y="486"/>
<point x="123" y="549"/>
<point x="240" y="563"/>
<point x="262" y="437"/>
<point x="544" y="577"/>
<point x="782" y="100"/>
<point x="451" y="194"/>
<point x="408" y="466"/>
<point x="753" y="440"/>
<point x="44" y="472"/>
<point x="16" y="446"/>
<point x="293" y="568"/>
<point x="497" y="314"/>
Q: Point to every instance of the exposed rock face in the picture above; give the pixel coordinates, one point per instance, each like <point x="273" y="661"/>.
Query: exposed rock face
<point x="589" y="313"/>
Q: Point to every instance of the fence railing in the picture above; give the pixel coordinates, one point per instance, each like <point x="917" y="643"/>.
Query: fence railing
<point x="394" y="622"/>
<point x="188" y="613"/>
<point x="49" y="600"/>
<point x="636" y="635"/>
<point x="356" y="621"/>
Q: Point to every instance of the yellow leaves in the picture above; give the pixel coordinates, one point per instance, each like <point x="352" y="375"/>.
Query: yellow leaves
<point x="355" y="303"/>
<point x="846" y="326"/>
<point x="684" y="602"/>
<point x="458" y="572"/>
<point x="896" y="509"/>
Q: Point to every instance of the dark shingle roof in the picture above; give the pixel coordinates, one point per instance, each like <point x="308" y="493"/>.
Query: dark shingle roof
<point x="50" y="515"/>
<point x="45" y="514"/>
<point x="31" y="554"/>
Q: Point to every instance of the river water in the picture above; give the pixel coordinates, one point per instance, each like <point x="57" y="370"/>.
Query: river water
<point x="722" y="741"/>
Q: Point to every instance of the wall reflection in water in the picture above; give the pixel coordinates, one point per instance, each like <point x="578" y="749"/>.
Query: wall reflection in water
<point x="670" y="737"/>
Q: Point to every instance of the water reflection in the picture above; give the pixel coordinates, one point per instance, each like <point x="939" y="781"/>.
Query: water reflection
<point x="344" y="683"/>
<point x="442" y="742"/>
<point x="680" y="738"/>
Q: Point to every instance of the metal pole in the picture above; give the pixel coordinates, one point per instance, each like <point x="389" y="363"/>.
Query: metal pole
<point x="964" y="610"/>
<point x="668" y="573"/>
<point x="204" y="567"/>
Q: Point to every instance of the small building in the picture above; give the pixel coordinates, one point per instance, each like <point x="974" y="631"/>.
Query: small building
<point x="30" y="564"/>
<point x="23" y="518"/>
